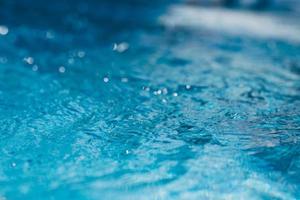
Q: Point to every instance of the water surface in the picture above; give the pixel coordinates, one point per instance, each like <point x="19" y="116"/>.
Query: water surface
<point x="139" y="100"/>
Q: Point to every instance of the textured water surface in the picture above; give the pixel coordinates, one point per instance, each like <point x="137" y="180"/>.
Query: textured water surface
<point x="122" y="100"/>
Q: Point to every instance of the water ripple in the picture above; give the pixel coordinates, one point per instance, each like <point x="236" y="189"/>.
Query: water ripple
<point x="168" y="112"/>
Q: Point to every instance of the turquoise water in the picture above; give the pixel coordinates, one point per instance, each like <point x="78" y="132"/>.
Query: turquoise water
<point x="123" y="100"/>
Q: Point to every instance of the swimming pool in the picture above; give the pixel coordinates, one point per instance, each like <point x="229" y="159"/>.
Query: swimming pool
<point x="140" y="100"/>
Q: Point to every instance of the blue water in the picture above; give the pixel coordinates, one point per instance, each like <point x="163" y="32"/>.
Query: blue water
<point x="103" y="100"/>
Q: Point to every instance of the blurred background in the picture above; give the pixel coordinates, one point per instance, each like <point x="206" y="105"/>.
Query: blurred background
<point x="251" y="4"/>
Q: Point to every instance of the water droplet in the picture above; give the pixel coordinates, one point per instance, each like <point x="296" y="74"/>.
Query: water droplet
<point x="81" y="54"/>
<point x="29" y="60"/>
<point x="13" y="164"/>
<point x="49" y="35"/>
<point x="124" y="80"/>
<point x="61" y="69"/>
<point x="158" y="92"/>
<point x="165" y="91"/>
<point x="188" y="87"/>
<point x="146" y="88"/>
<point x="121" y="47"/>
<point x="105" y="79"/>
<point x="3" y="30"/>
<point x="35" y="68"/>
<point x="127" y="151"/>
<point x="175" y="94"/>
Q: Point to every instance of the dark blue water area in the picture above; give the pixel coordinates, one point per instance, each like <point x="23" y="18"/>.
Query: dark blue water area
<point x="105" y="100"/>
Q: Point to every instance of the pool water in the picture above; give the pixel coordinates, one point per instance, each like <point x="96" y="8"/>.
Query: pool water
<point x="140" y="100"/>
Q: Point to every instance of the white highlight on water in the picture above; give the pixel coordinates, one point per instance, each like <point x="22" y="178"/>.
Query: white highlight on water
<point x="233" y="22"/>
